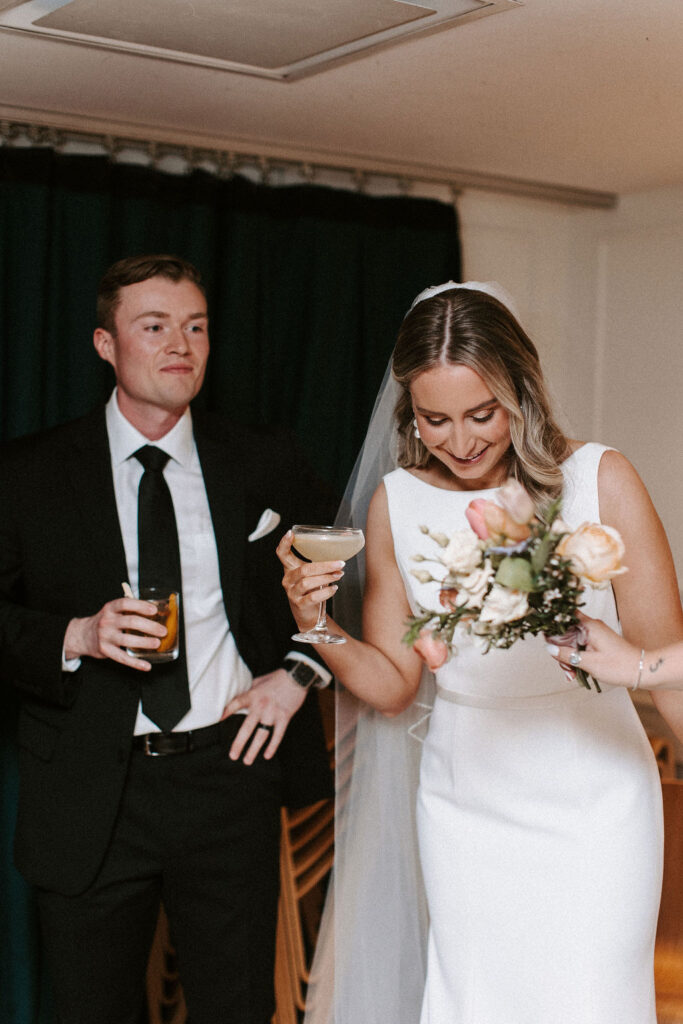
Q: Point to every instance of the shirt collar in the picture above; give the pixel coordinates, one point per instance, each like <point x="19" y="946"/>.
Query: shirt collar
<point x="125" y="439"/>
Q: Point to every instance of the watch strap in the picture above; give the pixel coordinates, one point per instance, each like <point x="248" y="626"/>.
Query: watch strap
<point x="304" y="673"/>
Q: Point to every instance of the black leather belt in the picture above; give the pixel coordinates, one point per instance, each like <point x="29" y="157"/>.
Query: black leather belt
<point x="162" y="744"/>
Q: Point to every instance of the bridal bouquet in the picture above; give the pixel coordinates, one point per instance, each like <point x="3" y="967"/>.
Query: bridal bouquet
<point x="511" y="575"/>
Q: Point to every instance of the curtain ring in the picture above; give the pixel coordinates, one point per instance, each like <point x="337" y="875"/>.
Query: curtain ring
<point x="8" y="131"/>
<point x="265" y="169"/>
<point x="153" y="153"/>
<point x="55" y="138"/>
<point x="36" y="133"/>
<point x="228" y="164"/>
<point x="360" y="180"/>
<point x="112" y="146"/>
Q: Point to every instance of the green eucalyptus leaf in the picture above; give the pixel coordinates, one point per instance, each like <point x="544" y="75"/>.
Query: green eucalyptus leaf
<point x="542" y="553"/>
<point x="515" y="574"/>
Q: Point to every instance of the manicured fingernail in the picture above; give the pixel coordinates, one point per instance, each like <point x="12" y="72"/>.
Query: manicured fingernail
<point x="340" y="565"/>
<point x="552" y="649"/>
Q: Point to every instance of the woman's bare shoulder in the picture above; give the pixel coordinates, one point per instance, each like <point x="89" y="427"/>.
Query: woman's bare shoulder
<point x="615" y="473"/>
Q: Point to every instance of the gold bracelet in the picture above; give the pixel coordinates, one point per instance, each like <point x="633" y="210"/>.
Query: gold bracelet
<point x="640" y="669"/>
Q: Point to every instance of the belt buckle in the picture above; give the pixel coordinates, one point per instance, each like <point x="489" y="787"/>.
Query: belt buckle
<point x="147" y="749"/>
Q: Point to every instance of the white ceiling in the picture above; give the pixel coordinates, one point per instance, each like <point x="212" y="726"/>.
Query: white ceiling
<point x="584" y="93"/>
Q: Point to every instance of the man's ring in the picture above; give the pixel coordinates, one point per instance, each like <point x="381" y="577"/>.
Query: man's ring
<point x="262" y="725"/>
<point x="575" y="658"/>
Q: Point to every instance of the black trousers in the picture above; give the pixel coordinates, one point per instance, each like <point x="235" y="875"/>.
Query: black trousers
<point x="200" y="833"/>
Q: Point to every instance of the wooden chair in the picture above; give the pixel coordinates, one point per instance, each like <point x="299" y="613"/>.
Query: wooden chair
<point x="306" y="854"/>
<point x="669" y="945"/>
<point x="665" y="755"/>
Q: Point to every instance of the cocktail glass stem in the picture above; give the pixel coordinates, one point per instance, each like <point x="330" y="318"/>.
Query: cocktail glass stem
<point x="321" y="624"/>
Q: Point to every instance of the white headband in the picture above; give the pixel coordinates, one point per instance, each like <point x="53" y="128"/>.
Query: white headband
<point x="489" y="287"/>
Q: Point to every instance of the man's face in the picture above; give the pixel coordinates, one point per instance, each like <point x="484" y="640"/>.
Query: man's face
<point x="160" y="347"/>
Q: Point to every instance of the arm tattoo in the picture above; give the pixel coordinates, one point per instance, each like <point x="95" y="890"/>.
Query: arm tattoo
<point x="653" y="668"/>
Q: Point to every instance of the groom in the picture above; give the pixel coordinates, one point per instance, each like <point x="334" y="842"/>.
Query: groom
<point x="140" y="782"/>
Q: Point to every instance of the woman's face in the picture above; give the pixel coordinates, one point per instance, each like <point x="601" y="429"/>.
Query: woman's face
<point x="462" y="424"/>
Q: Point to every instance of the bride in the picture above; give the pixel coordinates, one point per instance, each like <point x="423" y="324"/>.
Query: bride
<point x="538" y="811"/>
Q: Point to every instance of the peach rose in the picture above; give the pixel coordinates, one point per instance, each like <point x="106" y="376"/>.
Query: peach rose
<point x="434" y="652"/>
<point x="516" y="502"/>
<point x="475" y="517"/>
<point x="595" y="552"/>
<point x="489" y="520"/>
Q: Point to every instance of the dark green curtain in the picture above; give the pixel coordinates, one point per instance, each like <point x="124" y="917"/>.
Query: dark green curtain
<point x="307" y="287"/>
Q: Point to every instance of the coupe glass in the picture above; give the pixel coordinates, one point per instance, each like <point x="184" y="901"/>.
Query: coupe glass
<point x="325" y="544"/>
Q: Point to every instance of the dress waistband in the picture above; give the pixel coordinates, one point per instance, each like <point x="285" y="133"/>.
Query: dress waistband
<point x="536" y="700"/>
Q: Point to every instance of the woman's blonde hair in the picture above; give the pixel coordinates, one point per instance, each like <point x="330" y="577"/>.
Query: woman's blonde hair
<point x="471" y="328"/>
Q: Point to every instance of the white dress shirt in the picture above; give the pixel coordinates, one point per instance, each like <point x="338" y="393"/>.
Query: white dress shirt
<point x="216" y="672"/>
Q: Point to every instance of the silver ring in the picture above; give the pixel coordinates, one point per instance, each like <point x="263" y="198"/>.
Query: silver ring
<point x="268" y="728"/>
<point x="575" y="658"/>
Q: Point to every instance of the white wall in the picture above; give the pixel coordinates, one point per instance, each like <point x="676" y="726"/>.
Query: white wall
<point x="601" y="294"/>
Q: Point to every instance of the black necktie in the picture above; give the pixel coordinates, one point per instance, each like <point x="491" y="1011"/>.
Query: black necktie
<point x="165" y="690"/>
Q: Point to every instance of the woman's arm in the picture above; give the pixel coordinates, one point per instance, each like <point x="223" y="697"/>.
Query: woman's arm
<point x="379" y="669"/>
<point x="647" y="596"/>
<point x="611" y="659"/>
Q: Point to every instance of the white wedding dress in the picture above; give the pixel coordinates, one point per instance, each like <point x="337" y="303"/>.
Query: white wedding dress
<point x="538" y="816"/>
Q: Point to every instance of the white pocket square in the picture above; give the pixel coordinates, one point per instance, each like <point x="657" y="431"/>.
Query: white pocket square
<point x="268" y="521"/>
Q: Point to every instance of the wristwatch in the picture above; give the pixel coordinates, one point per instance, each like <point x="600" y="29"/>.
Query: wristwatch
<point x="304" y="673"/>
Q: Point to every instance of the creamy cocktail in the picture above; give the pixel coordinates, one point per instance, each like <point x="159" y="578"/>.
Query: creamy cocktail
<point x="325" y="544"/>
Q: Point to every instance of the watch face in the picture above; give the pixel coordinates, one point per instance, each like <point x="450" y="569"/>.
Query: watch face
<point x="302" y="673"/>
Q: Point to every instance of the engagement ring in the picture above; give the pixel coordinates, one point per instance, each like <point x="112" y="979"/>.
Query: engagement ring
<point x="575" y="658"/>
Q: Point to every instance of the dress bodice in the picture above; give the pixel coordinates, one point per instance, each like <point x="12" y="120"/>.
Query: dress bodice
<point x="525" y="669"/>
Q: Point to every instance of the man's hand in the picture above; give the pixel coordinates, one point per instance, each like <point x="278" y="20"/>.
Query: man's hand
<point x="272" y="701"/>
<point x="108" y="632"/>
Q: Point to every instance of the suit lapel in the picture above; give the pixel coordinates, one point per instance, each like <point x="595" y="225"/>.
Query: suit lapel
<point x="90" y="477"/>
<point x="223" y="473"/>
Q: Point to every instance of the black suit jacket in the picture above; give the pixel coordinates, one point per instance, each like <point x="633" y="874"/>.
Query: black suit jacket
<point x="62" y="555"/>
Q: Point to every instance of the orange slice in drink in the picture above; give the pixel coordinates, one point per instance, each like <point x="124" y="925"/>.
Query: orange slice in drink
<point x="171" y="623"/>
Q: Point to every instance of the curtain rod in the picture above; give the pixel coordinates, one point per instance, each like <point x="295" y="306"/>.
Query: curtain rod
<point x="268" y="160"/>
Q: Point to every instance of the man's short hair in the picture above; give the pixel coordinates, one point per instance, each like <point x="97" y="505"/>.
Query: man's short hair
<point x="133" y="270"/>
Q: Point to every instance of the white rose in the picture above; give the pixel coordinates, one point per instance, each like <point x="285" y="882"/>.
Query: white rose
<point x="463" y="552"/>
<point x="503" y="605"/>
<point x="475" y="585"/>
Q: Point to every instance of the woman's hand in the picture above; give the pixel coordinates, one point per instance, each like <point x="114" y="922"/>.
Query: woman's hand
<point x="307" y="584"/>
<point x="608" y="657"/>
<point x="611" y="659"/>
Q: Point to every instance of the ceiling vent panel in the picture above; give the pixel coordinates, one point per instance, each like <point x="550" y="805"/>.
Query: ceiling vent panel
<point x="277" y="39"/>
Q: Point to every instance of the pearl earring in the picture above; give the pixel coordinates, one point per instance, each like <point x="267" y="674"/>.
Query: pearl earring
<point x="417" y="429"/>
